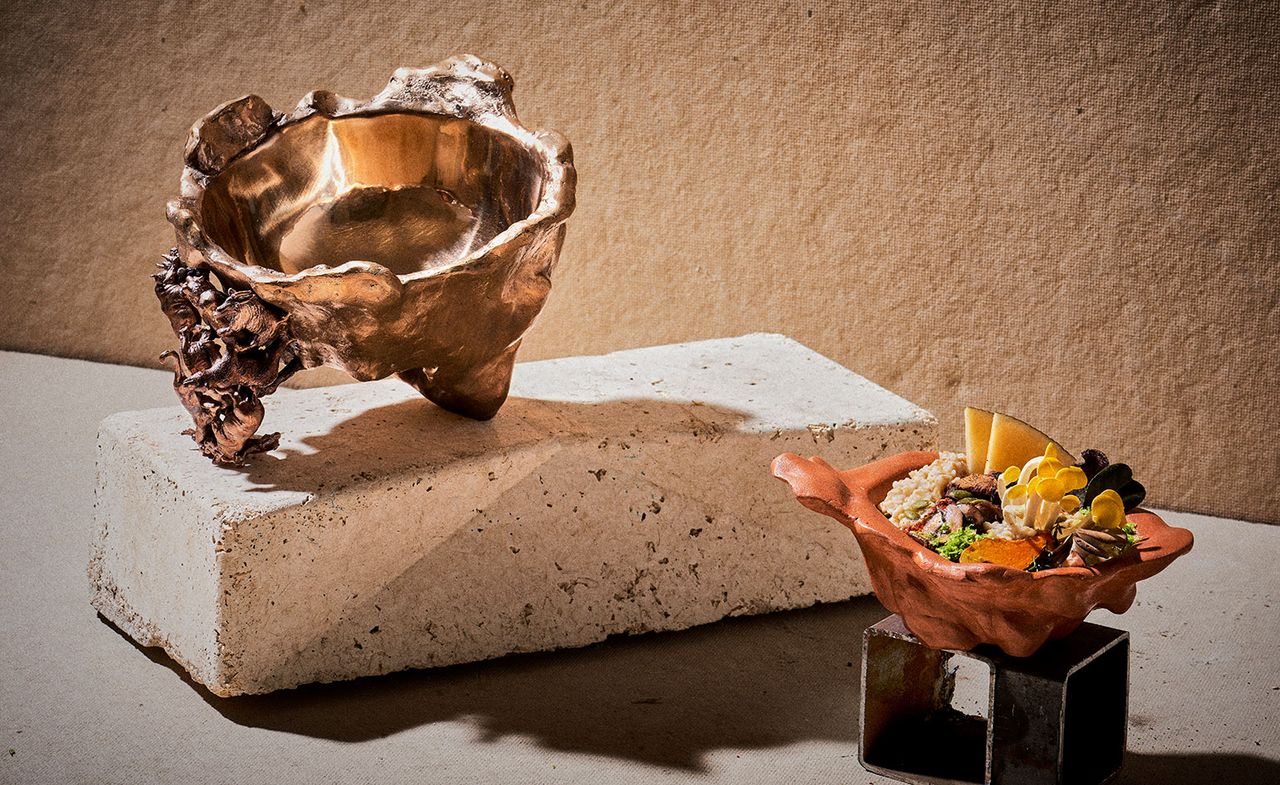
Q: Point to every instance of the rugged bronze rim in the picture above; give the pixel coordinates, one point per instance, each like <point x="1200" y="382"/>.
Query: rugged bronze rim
<point x="330" y="235"/>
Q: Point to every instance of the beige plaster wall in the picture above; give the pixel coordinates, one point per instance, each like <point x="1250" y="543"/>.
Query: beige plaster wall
<point x="1066" y="211"/>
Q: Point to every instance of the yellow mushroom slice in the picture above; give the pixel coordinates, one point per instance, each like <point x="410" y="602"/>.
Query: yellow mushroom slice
<point x="1072" y="477"/>
<point x="1107" y="510"/>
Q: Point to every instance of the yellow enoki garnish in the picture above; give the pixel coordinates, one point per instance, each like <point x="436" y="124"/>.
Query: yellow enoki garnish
<point x="1043" y="484"/>
<point x="1072" y="477"/>
<point x="1051" y="453"/>
<point x="1107" y="510"/>
<point x="1048" y="488"/>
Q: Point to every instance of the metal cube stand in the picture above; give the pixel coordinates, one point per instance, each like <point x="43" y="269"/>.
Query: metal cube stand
<point x="1059" y="716"/>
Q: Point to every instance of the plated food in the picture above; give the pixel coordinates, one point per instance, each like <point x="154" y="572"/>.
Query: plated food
<point x="1016" y="566"/>
<point x="1015" y="497"/>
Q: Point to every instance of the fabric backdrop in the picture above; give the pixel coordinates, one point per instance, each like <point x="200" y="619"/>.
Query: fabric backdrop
<point x="1066" y="211"/>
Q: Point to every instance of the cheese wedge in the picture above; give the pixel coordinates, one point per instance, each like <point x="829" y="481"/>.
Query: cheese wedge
<point x="977" y="432"/>
<point x="1013" y="443"/>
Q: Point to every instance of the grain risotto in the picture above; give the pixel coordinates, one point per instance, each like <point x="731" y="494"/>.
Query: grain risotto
<point x="1018" y="499"/>
<point x="922" y="487"/>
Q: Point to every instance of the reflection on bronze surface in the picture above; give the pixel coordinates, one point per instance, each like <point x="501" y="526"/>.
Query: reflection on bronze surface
<point x="413" y="234"/>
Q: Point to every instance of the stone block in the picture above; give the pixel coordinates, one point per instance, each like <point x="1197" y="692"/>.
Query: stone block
<point x="623" y="493"/>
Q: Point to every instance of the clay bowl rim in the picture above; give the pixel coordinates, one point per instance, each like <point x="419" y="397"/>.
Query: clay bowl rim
<point x="865" y="487"/>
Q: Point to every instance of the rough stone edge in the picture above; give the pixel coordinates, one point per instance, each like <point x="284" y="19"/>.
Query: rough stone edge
<point x="108" y="599"/>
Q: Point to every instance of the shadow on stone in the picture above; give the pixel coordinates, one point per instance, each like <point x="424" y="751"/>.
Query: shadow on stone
<point x="665" y="700"/>
<point x="415" y="434"/>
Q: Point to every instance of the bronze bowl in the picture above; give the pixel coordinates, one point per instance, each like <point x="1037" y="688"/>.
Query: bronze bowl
<point x="949" y="605"/>
<point x="413" y="233"/>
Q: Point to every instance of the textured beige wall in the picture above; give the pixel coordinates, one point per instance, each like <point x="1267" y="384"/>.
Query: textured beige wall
<point x="1068" y="213"/>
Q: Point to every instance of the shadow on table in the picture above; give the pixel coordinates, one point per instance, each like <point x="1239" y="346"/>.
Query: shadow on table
<point x="666" y="700"/>
<point x="1197" y="768"/>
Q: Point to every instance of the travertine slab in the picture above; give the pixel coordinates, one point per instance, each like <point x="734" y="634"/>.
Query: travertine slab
<point x="617" y="494"/>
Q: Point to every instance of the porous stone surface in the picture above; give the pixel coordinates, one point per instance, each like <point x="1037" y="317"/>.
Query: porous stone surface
<point x="623" y="493"/>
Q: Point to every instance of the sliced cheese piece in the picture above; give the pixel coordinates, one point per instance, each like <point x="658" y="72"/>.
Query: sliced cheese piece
<point x="977" y="432"/>
<point x="1013" y="443"/>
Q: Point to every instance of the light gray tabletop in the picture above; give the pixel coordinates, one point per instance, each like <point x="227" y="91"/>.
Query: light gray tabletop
<point x="764" y="699"/>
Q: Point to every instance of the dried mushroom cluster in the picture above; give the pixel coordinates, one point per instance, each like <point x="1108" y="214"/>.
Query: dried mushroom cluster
<point x="233" y="349"/>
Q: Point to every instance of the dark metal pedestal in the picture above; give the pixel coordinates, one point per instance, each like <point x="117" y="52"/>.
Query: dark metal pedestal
<point x="1058" y="716"/>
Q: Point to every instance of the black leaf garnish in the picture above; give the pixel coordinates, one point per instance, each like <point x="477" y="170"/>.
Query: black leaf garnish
<point x="1119" y="478"/>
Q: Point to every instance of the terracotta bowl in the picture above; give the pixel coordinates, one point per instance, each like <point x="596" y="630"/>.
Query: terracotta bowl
<point x="959" y="606"/>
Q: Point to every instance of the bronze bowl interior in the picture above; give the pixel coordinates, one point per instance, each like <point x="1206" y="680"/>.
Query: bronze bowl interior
<point x="410" y="192"/>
